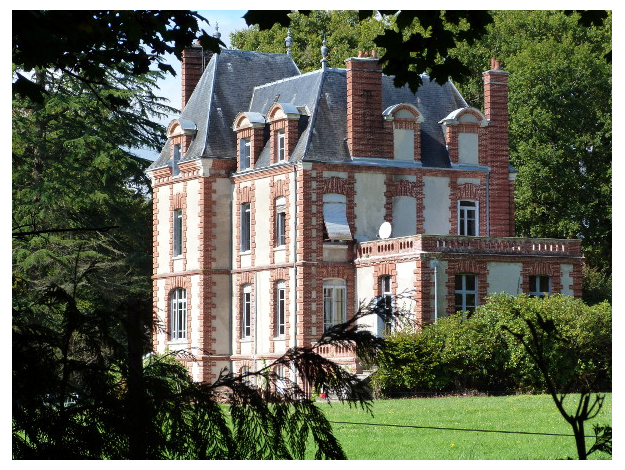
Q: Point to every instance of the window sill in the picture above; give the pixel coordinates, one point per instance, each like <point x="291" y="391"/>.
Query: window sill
<point x="279" y="338"/>
<point x="247" y="339"/>
<point x="279" y="248"/>
<point x="178" y="341"/>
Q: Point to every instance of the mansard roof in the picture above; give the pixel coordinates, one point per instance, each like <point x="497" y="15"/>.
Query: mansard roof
<point x="244" y="81"/>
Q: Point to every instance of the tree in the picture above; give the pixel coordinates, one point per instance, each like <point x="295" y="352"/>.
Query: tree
<point x="89" y="44"/>
<point x="560" y="123"/>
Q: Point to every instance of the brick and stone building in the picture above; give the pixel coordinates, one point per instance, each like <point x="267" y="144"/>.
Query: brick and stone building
<point x="282" y="200"/>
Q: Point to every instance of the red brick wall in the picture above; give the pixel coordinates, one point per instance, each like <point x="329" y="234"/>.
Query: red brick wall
<point x="366" y="133"/>
<point x="192" y="68"/>
<point x="496" y="111"/>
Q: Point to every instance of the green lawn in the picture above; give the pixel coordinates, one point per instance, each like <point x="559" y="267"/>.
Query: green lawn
<point x="528" y="413"/>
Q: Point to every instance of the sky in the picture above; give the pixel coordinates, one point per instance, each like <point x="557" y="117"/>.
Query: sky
<point x="228" y="21"/>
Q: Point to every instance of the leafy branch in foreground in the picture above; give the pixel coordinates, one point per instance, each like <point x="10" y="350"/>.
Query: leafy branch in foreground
<point x="541" y="331"/>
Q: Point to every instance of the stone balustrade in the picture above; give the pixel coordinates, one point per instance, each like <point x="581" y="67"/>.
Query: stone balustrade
<point x="473" y="245"/>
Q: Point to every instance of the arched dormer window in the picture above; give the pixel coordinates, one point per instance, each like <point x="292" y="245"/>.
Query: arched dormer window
<point x="283" y="119"/>
<point x="406" y="120"/>
<point x="180" y="133"/>
<point x="250" y="129"/>
<point x="463" y="129"/>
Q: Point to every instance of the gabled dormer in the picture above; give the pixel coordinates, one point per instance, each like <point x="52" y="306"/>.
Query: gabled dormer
<point x="250" y="129"/>
<point x="465" y="136"/>
<point x="180" y="133"/>
<point x="404" y="121"/>
<point x="283" y="126"/>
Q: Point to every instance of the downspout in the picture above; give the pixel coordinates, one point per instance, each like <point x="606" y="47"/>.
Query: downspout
<point x="488" y="202"/>
<point x="434" y="264"/>
<point x="255" y="319"/>
<point x="230" y="303"/>
<point x="295" y="262"/>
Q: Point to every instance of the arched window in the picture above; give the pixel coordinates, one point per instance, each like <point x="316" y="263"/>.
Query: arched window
<point x="178" y="314"/>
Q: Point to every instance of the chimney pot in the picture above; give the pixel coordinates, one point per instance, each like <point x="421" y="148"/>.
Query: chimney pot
<point x="360" y="54"/>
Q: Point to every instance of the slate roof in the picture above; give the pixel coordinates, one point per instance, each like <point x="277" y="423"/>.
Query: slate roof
<point x="236" y="81"/>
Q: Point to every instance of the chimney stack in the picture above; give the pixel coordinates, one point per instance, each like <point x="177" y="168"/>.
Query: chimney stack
<point x="501" y="189"/>
<point x="365" y="124"/>
<point x="194" y="60"/>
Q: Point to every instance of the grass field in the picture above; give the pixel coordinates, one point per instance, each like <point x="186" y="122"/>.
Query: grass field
<point x="527" y="413"/>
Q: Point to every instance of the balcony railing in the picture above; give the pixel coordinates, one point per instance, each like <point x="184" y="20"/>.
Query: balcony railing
<point x="457" y="244"/>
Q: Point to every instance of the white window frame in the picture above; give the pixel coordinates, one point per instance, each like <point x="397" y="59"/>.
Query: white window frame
<point x="463" y="218"/>
<point x="178" y="320"/>
<point x="246" y="311"/>
<point x="280" y="320"/>
<point x="535" y="290"/>
<point x="386" y="296"/>
<point x="245" y="152"/>
<point x="280" y="229"/>
<point x="334" y="302"/>
<point x="280" y="146"/>
<point x="246" y="227"/>
<point x="177" y="233"/>
<point x="464" y="305"/>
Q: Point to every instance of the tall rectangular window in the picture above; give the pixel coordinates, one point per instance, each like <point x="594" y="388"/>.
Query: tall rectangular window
<point x="176" y="159"/>
<point x="178" y="314"/>
<point x="334" y="303"/>
<point x="540" y="286"/>
<point x="386" y="302"/>
<point x="244" y="153"/>
<point x="246" y="227"/>
<point x="246" y="313"/>
<point x="467" y="218"/>
<point x="466" y="293"/>
<point x="177" y="241"/>
<point x="280" y="146"/>
<point x="280" y="308"/>
<point x="280" y="229"/>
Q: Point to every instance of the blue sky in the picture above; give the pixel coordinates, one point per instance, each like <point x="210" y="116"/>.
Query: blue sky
<point x="170" y="87"/>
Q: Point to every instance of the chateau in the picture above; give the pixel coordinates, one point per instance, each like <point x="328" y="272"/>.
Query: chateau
<point x="283" y="200"/>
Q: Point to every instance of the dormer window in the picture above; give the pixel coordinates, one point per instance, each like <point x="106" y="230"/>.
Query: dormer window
<point x="283" y="125"/>
<point x="180" y="132"/>
<point x="250" y="129"/>
<point x="405" y="120"/>
<point x="463" y="128"/>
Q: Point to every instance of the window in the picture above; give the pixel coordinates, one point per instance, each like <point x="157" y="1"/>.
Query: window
<point x="280" y="379"/>
<point x="178" y="314"/>
<point x="280" y="307"/>
<point x="176" y="159"/>
<point x="280" y="148"/>
<point x="335" y="217"/>
<point x="246" y="226"/>
<point x="386" y="303"/>
<point x="177" y="232"/>
<point x="244" y="153"/>
<point x="540" y="286"/>
<point x="246" y="313"/>
<point x="246" y="376"/>
<point x="466" y="293"/>
<point x="280" y="233"/>
<point x="467" y="218"/>
<point x="334" y="302"/>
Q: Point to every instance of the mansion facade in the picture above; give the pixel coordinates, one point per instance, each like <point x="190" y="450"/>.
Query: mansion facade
<point x="282" y="201"/>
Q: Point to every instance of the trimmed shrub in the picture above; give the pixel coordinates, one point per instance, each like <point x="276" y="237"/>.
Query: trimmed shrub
<point x="455" y="355"/>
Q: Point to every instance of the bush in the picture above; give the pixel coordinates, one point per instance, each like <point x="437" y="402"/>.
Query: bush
<point x="455" y="355"/>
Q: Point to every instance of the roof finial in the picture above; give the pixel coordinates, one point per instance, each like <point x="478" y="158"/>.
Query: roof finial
<point x="324" y="54"/>
<point x="288" y="42"/>
<point x="217" y="34"/>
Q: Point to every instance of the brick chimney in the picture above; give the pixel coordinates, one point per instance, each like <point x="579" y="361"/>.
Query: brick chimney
<point x="194" y="60"/>
<point x="365" y="125"/>
<point x="501" y="188"/>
